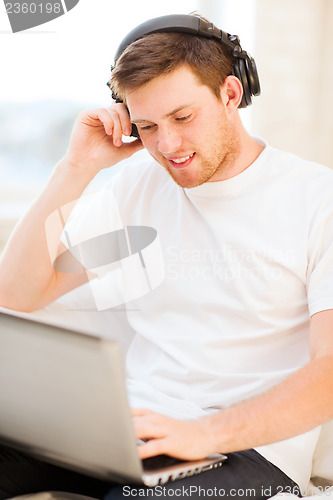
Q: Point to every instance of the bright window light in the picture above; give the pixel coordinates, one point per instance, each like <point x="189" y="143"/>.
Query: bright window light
<point x="70" y="57"/>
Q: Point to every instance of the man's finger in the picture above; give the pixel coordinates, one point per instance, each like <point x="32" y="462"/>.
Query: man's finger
<point x="124" y="117"/>
<point x="151" y="448"/>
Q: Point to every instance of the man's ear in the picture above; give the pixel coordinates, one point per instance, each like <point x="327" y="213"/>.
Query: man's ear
<point x="231" y="93"/>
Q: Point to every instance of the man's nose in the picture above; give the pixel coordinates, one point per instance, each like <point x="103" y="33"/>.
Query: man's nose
<point x="169" y="140"/>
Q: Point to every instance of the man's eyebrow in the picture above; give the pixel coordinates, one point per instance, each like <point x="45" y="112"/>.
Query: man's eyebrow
<point x="173" y="112"/>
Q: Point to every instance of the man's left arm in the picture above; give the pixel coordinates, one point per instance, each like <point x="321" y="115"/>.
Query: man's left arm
<point x="299" y="403"/>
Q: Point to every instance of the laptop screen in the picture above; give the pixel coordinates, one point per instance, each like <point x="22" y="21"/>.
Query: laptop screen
<point x="63" y="398"/>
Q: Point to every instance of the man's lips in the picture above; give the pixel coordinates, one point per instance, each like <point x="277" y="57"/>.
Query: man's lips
<point x="181" y="161"/>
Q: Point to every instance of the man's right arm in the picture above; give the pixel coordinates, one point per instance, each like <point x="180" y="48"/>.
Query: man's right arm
<point x="28" y="280"/>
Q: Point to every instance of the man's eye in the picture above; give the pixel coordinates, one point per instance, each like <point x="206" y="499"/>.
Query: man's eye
<point x="147" y="127"/>
<point x="183" y="118"/>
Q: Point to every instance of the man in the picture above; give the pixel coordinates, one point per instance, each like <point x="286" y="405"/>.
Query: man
<point x="234" y="349"/>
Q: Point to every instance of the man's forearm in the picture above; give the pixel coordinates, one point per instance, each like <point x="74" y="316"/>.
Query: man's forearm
<point x="27" y="278"/>
<point x="298" y="404"/>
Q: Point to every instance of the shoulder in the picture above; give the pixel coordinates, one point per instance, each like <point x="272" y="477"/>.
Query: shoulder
<point x="303" y="177"/>
<point x="294" y="165"/>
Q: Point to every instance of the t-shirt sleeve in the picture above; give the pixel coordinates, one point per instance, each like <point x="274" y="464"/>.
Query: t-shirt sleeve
<point x="84" y="225"/>
<point x="102" y="235"/>
<point x="320" y="258"/>
<point x="93" y="240"/>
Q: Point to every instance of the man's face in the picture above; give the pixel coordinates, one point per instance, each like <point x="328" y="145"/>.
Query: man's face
<point x="185" y="128"/>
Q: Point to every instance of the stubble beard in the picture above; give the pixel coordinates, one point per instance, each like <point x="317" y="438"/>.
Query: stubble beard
<point x="222" y="156"/>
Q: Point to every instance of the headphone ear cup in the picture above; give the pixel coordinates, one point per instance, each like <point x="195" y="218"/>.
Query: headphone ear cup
<point x="241" y="73"/>
<point x="252" y="76"/>
<point x="135" y="132"/>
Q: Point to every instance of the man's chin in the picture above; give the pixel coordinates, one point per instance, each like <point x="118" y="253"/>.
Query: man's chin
<point x="188" y="184"/>
<point x="189" y="179"/>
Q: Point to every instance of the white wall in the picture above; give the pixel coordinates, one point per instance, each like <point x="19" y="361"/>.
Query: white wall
<point x="294" y="47"/>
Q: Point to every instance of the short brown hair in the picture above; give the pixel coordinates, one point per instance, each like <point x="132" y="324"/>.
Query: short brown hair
<point x="161" y="53"/>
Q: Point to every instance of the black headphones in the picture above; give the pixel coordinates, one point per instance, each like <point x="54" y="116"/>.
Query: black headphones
<point x="244" y="67"/>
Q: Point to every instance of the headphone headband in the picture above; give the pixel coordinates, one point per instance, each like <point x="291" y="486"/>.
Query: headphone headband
<point x="181" y="23"/>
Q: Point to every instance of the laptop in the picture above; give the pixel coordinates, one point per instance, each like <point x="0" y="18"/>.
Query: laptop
<point x="63" y="399"/>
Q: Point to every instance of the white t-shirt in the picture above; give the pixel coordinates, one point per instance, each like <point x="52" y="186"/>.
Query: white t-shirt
<point x="246" y="262"/>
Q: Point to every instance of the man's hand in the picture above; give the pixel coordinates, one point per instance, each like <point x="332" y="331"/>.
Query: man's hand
<point x="96" y="140"/>
<point x="184" y="439"/>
